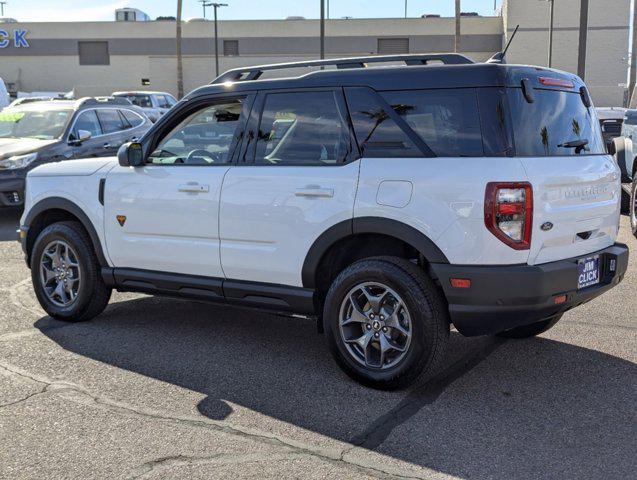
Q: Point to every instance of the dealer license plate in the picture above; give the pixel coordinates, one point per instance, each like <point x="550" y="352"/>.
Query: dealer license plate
<point x="588" y="272"/>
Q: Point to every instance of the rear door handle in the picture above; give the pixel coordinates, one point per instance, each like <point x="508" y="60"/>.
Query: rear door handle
<point x="314" y="191"/>
<point x="194" y="188"/>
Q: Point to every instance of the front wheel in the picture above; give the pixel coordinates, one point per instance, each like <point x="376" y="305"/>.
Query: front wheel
<point x="66" y="273"/>
<point x="385" y="322"/>
<point x="526" y="331"/>
<point x="632" y="207"/>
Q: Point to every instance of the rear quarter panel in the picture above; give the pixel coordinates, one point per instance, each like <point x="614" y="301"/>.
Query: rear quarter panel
<point x="446" y="203"/>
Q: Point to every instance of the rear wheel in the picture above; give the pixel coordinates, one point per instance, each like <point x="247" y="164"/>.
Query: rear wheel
<point x="66" y="273"/>
<point x="632" y="209"/>
<point x="385" y="322"/>
<point x="526" y="331"/>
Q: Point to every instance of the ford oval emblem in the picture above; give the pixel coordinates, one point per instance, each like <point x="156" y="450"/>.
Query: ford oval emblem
<point x="546" y="226"/>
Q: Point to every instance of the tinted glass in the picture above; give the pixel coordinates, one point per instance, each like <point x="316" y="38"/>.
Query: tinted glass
<point x="29" y="123"/>
<point x="110" y="120"/>
<point x="203" y="138"/>
<point x="162" y="102"/>
<point x="377" y="134"/>
<point x="303" y="128"/>
<point x="447" y="120"/>
<point x="87" y="121"/>
<point x="496" y="132"/>
<point x="554" y="124"/>
<point x="133" y="119"/>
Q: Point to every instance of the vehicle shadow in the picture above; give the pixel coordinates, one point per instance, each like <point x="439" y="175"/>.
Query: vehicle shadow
<point x="533" y="408"/>
<point x="9" y="223"/>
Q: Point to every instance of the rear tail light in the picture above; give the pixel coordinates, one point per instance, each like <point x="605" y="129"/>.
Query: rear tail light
<point x="508" y="212"/>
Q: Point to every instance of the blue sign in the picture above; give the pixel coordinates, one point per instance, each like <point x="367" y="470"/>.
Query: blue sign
<point x="17" y="38"/>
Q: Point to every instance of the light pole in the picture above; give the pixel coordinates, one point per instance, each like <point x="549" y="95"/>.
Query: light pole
<point x="405" y="8"/>
<point x="322" y="29"/>
<point x="204" y="4"/>
<point x="216" y="6"/>
<point x="552" y="7"/>
<point x="2" y="4"/>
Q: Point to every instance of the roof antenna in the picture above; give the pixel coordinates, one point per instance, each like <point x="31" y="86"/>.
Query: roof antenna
<point x="499" y="57"/>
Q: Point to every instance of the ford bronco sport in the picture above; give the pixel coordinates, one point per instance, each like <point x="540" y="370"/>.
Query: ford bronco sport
<point x="388" y="203"/>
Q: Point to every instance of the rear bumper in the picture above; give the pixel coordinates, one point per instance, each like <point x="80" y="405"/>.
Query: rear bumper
<point x="508" y="296"/>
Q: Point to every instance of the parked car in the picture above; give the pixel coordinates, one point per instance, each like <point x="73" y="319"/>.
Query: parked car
<point x="611" y="119"/>
<point x="25" y="100"/>
<point x="387" y="203"/>
<point x="154" y="104"/>
<point x="36" y="133"/>
<point x="4" y="95"/>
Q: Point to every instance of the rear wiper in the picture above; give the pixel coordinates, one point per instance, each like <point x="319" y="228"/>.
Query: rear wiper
<point x="578" y="145"/>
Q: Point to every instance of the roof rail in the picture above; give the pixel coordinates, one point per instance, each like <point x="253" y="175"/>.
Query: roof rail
<point x="253" y="73"/>
<point x="102" y="100"/>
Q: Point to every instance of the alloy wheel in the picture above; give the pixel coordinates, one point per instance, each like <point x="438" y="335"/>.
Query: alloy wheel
<point x="60" y="273"/>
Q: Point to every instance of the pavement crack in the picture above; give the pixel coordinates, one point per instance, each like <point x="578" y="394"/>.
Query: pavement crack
<point x="378" y="431"/>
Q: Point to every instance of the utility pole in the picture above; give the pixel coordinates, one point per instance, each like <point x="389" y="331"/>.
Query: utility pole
<point x="583" y="36"/>
<point x="457" y="37"/>
<point x="633" y="58"/>
<point x="2" y="4"/>
<point x="322" y="29"/>
<point x="405" y="8"/>
<point x="204" y="4"/>
<point x="216" y="6"/>
<point x="180" y="66"/>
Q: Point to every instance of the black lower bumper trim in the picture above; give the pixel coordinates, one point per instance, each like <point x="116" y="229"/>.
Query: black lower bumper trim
<point x="504" y="297"/>
<point x="11" y="192"/>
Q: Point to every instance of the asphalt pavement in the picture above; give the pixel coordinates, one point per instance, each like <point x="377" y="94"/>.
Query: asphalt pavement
<point x="163" y="388"/>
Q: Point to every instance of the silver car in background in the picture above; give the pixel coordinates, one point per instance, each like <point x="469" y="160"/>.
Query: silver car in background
<point x="154" y="104"/>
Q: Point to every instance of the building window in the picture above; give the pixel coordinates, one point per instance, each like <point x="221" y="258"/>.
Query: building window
<point x="393" y="45"/>
<point x="94" y="53"/>
<point x="231" y="48"/>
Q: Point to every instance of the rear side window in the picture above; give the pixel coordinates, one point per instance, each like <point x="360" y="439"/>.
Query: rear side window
<point x="377" y="134"/>
<point x="87" y="121"/>
<point x="132" y="118"/>
<point x="302" y="128"/>
<point x="448" y="121"/>
<point x="110" y="120"/>
<point x="557" y="123"/>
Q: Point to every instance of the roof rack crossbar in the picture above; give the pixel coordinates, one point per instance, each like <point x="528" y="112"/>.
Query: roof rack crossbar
<point x="253" y="73"/>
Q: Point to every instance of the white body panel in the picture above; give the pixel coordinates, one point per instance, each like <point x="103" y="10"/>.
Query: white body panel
<point x="270" y="217"/>
<point x="172" y="217"/>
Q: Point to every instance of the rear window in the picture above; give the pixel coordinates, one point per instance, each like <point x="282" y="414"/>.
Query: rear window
<point x="557" y="123"/>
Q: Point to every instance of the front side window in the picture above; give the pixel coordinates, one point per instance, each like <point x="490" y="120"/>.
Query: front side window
<point x="110" y="120"/>
<point x="27" y="123"/>
<point x="302" y="128"/>
<point x="87" y="121"/>
<point x="447" y="120"/>
<point x="202" y="138"/>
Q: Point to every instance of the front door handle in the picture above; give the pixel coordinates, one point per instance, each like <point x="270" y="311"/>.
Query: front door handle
<point x="194" y="188"/>
<point x="314" y="191"/>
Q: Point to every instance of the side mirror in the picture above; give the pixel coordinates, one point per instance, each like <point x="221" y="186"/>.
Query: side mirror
<point x="83" y="135"/>
<point x="131" y="155"/>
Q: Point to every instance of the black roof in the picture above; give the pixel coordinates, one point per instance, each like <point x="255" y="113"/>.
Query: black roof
<point x="403" y="78"/>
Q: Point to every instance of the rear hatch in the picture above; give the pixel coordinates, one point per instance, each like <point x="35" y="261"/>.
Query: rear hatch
<point x="576" y="185"/>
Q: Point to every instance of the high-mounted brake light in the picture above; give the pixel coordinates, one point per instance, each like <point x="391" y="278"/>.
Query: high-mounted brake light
<point x="556" y="82"/>
<point x="508" y="212"/>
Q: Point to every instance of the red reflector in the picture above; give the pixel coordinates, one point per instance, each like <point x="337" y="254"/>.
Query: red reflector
<point x="460" y="282"/>
<point x="560" y="299"/>
<point x="556" y="82"/>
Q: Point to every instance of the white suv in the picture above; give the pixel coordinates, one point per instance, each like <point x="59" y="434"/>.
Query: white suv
<point x="389" y="203"/>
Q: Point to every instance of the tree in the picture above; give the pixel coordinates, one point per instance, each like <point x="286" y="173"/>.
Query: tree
<point x="180" y="65"/>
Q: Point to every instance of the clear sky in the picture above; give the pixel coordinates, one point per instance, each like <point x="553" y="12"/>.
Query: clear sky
<point x="85" y="10"/>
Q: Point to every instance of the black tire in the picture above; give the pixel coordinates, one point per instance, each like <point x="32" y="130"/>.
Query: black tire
<point x="93" y="294"/>
<point x="527" y="331"/>
<point x="427" y="310"/>
<point x="624" y="208"/>
<point x="632" y="206"/>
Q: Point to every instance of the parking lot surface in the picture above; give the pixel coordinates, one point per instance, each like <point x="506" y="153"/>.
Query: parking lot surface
<point x="161" y="388"/>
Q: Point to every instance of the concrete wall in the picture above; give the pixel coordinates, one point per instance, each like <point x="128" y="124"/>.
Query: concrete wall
<point x="146" y="49"/>
<point x="607" y="45"/>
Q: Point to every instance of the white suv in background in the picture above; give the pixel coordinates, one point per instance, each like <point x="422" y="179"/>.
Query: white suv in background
<point x="154" y="104"/>
<point x="388" y="203"/>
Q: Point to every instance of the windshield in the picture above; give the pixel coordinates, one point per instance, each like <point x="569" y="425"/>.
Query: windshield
<point x="43" y="125"/>
<point x="557" y="123"/>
